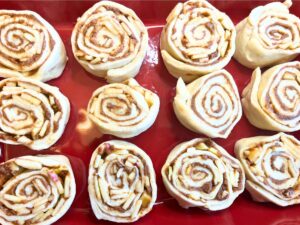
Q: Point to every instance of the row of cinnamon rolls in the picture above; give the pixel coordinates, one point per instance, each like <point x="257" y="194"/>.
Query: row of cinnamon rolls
<point x="122" y="182"/>
<point x="110" y="41"/>
<point x="35" y="114"/>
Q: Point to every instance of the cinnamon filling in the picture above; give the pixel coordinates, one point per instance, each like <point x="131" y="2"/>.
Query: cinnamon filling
<point x="113" y="55"/>
<point x="10" y="171"/>
<point x="26" y="20"/>
<point x="194" y="106"/>
<point x="25" y="115"/>
<point x="270" y="107"/>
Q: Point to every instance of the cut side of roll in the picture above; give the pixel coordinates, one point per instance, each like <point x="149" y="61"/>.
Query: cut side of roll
<point x="122" y="184"/>
<point x="209" y="105"/>
<point x="36" y="190"/>
<point x="268" y="36"/>
<point x="32" y="113"/>
<point x="124" y="109"/>
<point x="29" y="46"/>
<point x="200" y="173"/>
<point x="271" y="100"/>
<point x="271" y="164"/>
<point x="196" y="40"/>
<point x="110" y="41"/>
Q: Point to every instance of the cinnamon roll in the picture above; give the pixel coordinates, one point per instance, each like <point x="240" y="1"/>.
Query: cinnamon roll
<point x="197" y="39"/>
<point x="124" y="109"/>
<point x="271" y="164"/>
<point x="36" y="190"/>
<point x="122" y="184"/>
<point x="271" y="100"/>
<point x="268" y="36"/>
<point x="110" y="41"/>
<point x="29" y="46"/>
<point x="200" y="173"/>
<point x="209" y="105"/>
<point x="32" y="113"/>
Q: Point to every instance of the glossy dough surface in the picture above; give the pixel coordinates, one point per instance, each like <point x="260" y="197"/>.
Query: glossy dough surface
<point x="29" y="46"/>
<point x="32" y="113"/>
<point x="110" y="41"/>
<point x="36" y="190"/>
<point x="268" y="36"/>
<point x="209" y="105"/>
<point x="271" y="100"/>
<point x="124" y="109"/>
<point x="272" y="166"/>
<point x="122" y="184"/>
<point x="197" y="39"/>
<point x="200" y="173"/>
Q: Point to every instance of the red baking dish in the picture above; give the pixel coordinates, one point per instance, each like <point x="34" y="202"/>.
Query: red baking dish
<point x="79" y="140"/>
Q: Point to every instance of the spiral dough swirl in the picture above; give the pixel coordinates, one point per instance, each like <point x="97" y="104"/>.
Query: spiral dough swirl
<point x="199" y="173"/>
<point x="209" y="105"/>
<point x="124" y="110"/>
<point x="35" y="189"/>
<point x="29" y="46"/>
<point x="197" y="39"/>
<point x="122" y="183"/>
<point x="110" y="41"/>
<point x="276" y="33"/>
<point x="272" y="100"/>
<point x="269" y="36"/>
<point x="272" y="166"/>
<point x="32" y="113"/>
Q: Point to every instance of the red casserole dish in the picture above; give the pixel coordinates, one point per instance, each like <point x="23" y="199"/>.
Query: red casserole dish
<point x="78" y="142"/>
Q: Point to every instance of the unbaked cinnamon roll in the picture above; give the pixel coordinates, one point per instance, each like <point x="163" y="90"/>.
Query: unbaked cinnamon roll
<point x="122" y="184"/>
<point x="200" y="173"/>
<point x="271" y="100"/>
<point x="268" y="36"/>
<point x="36" y="190"/>
<point x="197" y="39"/>
<point x="271" y="164"/>
<point x="29" y="46"/>
<point x="209" y="105"/>
<point x="124" y="109"/>
<point x="32" y="113"/>
<point x="110" y="41"/>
